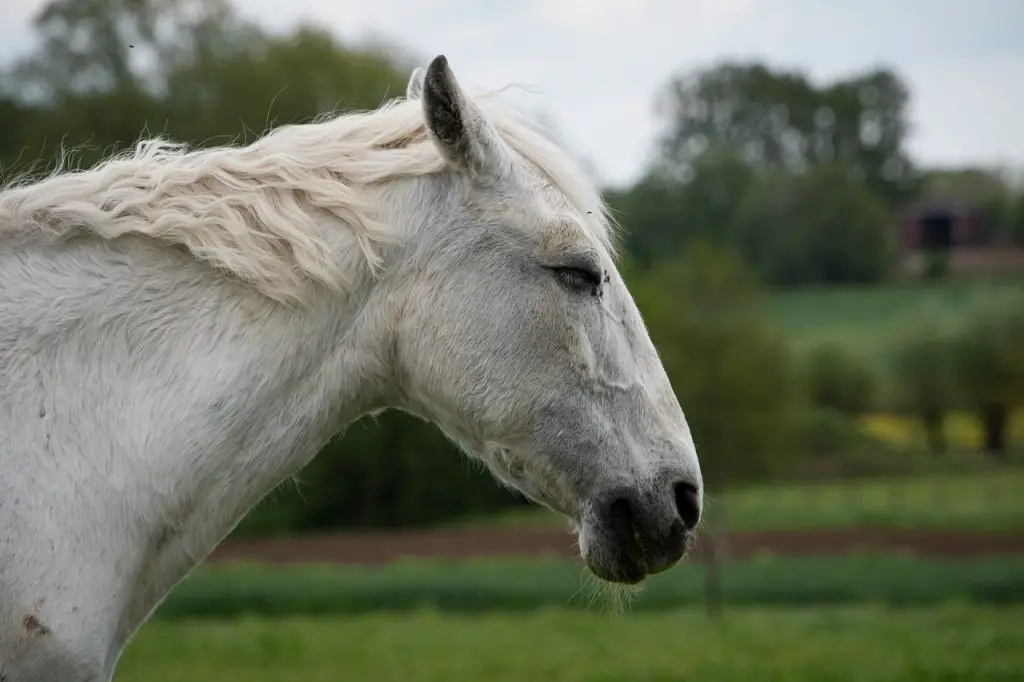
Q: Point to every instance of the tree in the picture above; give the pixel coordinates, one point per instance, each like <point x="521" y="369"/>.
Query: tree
<point x="741" y="136"/>
<point x="839" y="378"/>
<point x="822" y="227"/>
<point x="730" y="369"/>
<point x="100" y="75"/>
<point x="778" y="120"/>
<point x="91" y="46"/>
<point x="274" y="81"/>
<point x="919" y="362"/>
<point x="664" y="216"/>
<point x="989" y="362"/>
<point x="191" y="70"/>
<point x="648" y="211"/>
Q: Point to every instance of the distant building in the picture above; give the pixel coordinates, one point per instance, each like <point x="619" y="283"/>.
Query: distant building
<point x="938" y="224"/>
<point x="960" y="229"/>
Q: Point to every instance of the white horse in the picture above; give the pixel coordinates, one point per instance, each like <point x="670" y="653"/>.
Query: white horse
<point x="180" y="331"/>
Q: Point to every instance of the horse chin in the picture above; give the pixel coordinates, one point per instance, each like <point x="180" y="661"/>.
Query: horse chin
<point x="612" y="562"/>
<point x="622" y="569"/>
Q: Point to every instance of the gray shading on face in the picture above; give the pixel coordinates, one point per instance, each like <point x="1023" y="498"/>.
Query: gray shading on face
<point x="533" y="356"/>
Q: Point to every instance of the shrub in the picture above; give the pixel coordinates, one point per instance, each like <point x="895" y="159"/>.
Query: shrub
<point x="841" y="447"/>
<point x="988" y="361"/>
<point x="840" y="379"/>
<point x="824" y="226"/>
<point x="729" y="366"/>
<point x="919" y="360"/>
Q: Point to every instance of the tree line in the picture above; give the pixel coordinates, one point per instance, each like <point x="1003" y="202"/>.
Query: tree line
<point x="804" y="181"/>
<point x="761" y="179"/>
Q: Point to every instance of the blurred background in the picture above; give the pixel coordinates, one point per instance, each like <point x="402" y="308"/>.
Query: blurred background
<point x="824" y="215"/>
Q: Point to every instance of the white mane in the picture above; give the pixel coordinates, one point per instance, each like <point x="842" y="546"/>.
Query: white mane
<point x="251" y="210"/>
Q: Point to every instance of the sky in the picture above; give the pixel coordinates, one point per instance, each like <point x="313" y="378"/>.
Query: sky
<point x="594" y="67"/>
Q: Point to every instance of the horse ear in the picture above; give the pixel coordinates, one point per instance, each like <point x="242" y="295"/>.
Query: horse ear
<point x="415" y="87"/>
<point x="463" y="136"/>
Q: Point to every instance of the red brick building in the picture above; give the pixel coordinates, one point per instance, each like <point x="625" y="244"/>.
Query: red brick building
<point x="960" y="229"/>
<point x="937" y="224"/>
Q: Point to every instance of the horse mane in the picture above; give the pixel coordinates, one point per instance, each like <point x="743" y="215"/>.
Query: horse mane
<point x="250" y="210"/>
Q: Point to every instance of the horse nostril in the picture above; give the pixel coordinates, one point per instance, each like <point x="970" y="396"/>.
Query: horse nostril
<point x="622" y="518"/>
<point x="687" y="504"/>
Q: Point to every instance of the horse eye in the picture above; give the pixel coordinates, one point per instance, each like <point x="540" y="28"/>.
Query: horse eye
<point x="578" y="279"/>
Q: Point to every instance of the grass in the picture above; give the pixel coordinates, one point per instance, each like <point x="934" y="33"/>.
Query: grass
<point x="983" y="500"/>
<point x="866" y="316"/>
<point x="968" y="501"/>
<point x="953" y="642"/>
<point x="527" y="585"/>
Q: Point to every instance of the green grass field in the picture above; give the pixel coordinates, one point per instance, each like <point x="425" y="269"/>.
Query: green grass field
<point x="984" y="500"/>
<point x="866" y="316"/>
<point x="952" y="642"/>
<point x="521" y="585"/>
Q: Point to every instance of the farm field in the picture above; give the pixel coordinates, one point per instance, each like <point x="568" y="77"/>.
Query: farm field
<point x="866" y="316"/>
<point x="951" y="642"/>
<point x="523" y="583"/>
<point x="969" y="501"/>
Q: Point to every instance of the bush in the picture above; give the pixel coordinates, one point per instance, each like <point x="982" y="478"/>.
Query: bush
<point x="840" y="379"/>
<point x="825" y="226"/>
<point x="839" y="446"/>
<point x="936" y="264"/>
<point x="988" y="361"/>
<point x="729" y="366"/>
<point x="919" y="359"/>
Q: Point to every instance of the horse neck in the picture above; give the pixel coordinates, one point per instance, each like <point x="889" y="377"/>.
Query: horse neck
<point x="291" y="380"/>
<point x="151" y="420"/>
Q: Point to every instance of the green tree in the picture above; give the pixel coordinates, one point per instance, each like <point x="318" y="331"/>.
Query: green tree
<point x="99" y="75"/>
<point x="274" y="81"/>
<point x="730" y="368"/>
<point x="839" y="378"/>
<point x="91" y="46"/>
<point x="920" y="368"/>
<point x="192" y="70"/>
<point x="742" y="134"/>
<point x="664" y="214"/>
<point x="822" y="227"/>
<point x="779" y="120"/>
<point x="649" y="213"/>
<point x="989" y="362"/>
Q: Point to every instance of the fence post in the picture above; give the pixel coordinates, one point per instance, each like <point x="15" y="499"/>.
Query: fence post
<point x="718" y="536"/>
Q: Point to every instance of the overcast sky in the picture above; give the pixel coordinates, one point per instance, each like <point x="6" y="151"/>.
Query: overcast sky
<point x="594" y="66"/>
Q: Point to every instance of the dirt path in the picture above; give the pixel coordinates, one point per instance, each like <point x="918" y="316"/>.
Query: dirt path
<point x="369" y="548"/>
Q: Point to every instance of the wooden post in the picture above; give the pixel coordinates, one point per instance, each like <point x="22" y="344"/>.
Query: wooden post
<point x="718" y="541"/>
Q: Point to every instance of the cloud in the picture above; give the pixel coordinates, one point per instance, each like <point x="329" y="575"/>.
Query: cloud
<point x="969" y="111"/>
<point x="15" y="38"/>
<point x="594" y="66"/>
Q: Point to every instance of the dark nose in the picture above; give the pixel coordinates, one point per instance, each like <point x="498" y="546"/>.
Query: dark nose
<point x="650" y="526"/>
<point x="687" y="498"/>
